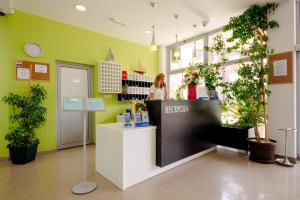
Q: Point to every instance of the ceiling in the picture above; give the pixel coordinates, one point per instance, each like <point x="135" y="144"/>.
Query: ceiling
<point x="139" y="16"/>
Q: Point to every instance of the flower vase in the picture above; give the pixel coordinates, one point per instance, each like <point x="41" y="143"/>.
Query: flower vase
<point x="192" y="94"/>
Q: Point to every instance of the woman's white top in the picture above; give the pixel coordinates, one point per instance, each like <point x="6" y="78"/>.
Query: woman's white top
<point x="158" y="93"/>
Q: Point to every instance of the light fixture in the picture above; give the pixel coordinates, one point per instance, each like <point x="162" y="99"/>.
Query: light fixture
<point x="176" y="52"/>
<point x="195" y="45"/>
<point x="153" y="46"/>
<point x="117" y="21"/>
<point x="80" y="8"/>
<point x="147" y="31"/>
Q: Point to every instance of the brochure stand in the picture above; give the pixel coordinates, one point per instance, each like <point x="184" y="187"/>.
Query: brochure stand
<point x="85" y="105"/>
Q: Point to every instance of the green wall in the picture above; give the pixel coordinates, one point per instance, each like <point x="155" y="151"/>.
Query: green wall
<point x="66" y="43"/>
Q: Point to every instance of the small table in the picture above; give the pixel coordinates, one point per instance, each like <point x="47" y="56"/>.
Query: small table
<point x="285" y="161"/>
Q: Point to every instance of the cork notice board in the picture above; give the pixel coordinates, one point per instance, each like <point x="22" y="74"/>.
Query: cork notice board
<point x="32" y="70"/>
<point x="281" y="68"/>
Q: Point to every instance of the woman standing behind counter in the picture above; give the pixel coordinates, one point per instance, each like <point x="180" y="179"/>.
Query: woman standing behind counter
<point x="158" y="90"/>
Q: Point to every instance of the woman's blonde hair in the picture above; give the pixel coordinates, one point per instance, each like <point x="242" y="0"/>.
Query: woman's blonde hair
<point x="157" y="79"/>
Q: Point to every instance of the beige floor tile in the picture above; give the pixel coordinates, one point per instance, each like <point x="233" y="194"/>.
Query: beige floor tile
<point x="220" y="175"/>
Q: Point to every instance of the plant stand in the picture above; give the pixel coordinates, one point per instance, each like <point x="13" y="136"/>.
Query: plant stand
<point x="285" y="161"/>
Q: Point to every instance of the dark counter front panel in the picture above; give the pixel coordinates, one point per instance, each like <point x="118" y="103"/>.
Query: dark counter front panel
<point x="184" y="127"/>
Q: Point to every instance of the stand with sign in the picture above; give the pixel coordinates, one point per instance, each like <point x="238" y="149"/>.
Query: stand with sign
<point x="85" y="105"/>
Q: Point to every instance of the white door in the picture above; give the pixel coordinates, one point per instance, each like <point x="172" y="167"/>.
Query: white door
<point x="73" y="81"/>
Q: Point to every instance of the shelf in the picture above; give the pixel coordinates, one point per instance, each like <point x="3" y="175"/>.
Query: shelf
<point x="127" y="97"/>
<point x="130" y="83"/>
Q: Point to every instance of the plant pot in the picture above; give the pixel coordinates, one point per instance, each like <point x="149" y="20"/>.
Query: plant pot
<point x="263" y="152"/>
<point x="22" y="154"/>
<point x="192" y="94"/>
<point x="233" y="138"/>
<point x="212" y="94"/>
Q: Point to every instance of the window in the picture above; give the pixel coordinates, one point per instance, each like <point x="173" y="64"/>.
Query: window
<point x="176" y="68"/>
<point x="230" y="73"/>
<point x="187" y="57"/>
<point x="175" y="80"/>
<point x="214" y="58"/>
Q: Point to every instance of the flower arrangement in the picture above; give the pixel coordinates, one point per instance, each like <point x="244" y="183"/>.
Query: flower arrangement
<point x="191" y="76"/>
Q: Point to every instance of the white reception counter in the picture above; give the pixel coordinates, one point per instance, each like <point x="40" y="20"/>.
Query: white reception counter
<point x="126" y="156"/>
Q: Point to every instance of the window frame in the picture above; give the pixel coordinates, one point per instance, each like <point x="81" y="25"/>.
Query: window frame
<point x="205" y="37"/>
<point x="173" y="46"/>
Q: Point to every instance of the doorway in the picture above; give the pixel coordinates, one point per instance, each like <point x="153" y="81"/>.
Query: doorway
<point x="73" y="80"/>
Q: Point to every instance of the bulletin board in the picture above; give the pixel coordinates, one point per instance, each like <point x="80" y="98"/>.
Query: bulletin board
<point x="281" y="68"/>
<point x="32" y="70"/>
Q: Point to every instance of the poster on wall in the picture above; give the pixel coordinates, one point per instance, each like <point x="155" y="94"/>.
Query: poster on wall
<point x="23" y="73"/>
<point x="32" y="70"/>
<point x="281" y="68"/>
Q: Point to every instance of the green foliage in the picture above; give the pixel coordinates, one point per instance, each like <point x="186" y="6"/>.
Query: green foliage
<point x="247" y="96"/>
<point x="179" y="91"/>
<point x="192" y="75"/>
<point x="210" y="74"/>
<point x="28" y="114"/>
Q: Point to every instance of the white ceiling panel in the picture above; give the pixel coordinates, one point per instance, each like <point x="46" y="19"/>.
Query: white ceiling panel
<point x="139" y="16"/>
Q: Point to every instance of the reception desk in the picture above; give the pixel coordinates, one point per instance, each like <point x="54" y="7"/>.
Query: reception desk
<point x="184" y="128"/>
<point x="178" y="131"/>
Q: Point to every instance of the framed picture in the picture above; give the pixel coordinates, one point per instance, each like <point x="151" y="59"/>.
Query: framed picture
<point x="281" y="68"/>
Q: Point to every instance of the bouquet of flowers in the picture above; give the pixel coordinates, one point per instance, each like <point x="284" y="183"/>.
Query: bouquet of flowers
<point x="191" y="76"/>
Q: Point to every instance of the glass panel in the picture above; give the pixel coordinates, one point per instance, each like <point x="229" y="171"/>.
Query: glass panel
<point x="174" y="84"/>
<point x="174" y="64"/>
<point x="214" y="58"/>
<point x="230" y="73"/>
<point x="186" y="55"/>
<point x="199" y="44"/>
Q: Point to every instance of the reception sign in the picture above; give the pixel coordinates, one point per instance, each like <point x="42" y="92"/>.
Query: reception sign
<point x="183" y="127"/>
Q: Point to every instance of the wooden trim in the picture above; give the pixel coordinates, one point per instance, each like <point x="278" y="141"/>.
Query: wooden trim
<point x="288" y="56"/>
<point x="35" y="76"/>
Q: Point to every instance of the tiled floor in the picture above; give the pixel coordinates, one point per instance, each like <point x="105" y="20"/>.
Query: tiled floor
<point x="220" y="175"/>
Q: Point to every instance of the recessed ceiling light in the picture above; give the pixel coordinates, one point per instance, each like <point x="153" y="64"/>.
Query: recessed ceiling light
<point x="80" y="8"/>
<point x="147" y="32"/>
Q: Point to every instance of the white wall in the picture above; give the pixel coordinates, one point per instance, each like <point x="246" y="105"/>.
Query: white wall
<point x="282" y="104"/>
<point x="162" y="66"/>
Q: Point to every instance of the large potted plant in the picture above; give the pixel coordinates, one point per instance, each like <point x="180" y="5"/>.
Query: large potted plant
<point x="248" y="94"/>
<point x="28" y="114"/>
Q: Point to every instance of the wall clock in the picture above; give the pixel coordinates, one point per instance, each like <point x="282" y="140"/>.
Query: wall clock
<point x="33" y="49"/>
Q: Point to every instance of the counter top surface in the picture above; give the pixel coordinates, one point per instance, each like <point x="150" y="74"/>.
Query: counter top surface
<point x="120" y="127"/>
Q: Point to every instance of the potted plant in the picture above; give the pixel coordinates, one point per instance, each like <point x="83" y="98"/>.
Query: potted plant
<point x="190" y="81"/>
<point x="211" y="76"/>
<point x="28" y="114"/>
<point x="248" y="94"/>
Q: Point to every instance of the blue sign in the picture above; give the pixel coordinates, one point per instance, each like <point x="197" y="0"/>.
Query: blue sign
<point x="94" y="104"/>
<point x="78" y="104"/>
<point x="73" y="104"/>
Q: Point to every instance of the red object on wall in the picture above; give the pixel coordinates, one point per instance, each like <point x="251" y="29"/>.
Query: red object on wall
<point x="192" y="93"/>
<point x="124" y="75"/>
